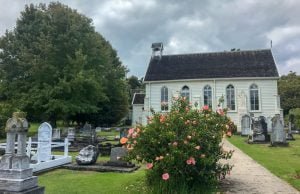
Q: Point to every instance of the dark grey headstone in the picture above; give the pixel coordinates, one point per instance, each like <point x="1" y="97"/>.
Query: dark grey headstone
<point x="259" y="131"/>
<point x="87" y="129"/>
<point x="117" y="154"/>
<point x="117" y="158"/>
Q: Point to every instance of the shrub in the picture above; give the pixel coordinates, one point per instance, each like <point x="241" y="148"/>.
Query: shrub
<point x="6" y="111"/>
<point x="182" y="148"/>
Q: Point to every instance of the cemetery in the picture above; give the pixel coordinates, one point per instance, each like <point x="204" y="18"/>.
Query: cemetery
<point x="73" y="121"/>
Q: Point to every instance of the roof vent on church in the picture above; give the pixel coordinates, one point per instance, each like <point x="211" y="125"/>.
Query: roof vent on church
<point x="157" y="49"/>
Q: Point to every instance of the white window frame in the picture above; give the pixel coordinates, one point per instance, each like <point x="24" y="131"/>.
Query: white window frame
<point x="211" y="96"/>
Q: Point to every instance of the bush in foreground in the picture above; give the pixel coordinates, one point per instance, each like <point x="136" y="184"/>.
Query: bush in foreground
<point x="182" y="148"/>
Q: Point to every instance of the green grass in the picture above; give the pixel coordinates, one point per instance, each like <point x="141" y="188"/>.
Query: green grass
<point x="108" y="133"/>
<point x="73" y="182"/>
<point x="284" y="162"/>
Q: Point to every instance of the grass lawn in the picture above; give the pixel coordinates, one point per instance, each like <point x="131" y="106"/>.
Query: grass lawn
<point x="72" y="182"/>
<point x="284" y="162"/>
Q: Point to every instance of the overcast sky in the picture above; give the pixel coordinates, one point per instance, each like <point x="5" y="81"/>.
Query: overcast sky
<point x="186" y="26"/>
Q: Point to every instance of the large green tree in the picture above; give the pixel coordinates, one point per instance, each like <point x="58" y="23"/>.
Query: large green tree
<point x="289" y="91"/>
<point x="54" y="65"/>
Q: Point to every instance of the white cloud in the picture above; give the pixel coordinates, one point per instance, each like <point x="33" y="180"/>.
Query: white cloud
<point x="282" y="34"/>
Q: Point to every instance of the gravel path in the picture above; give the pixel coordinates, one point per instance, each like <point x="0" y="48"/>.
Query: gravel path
<point x="247" y="176"/>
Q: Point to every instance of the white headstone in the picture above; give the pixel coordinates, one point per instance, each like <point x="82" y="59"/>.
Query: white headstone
<point x="44" y="142"/>
<point x="241" y="108"/>
<point x="269" y="124"/>
<point x="71" y="134"/>
<point x="246" y="124"/>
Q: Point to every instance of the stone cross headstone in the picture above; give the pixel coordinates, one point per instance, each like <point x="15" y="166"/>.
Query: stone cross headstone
<point x="15" y="173"/>
<point x="44" y="142"/>
<point x="246" y="124"/>
<point x="56" y="134"/>
<point x="278" y="136"/>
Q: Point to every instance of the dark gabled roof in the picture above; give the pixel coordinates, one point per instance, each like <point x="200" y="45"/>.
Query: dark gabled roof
<point x="255" y="63"/>
<point x="138" y="98"/>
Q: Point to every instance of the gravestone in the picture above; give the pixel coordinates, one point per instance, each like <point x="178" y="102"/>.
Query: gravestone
<point x="246" y="125"/>
<point x="90" y="133"/>
<point x="56" y="134"/>
<point x="44" y="142"/>
<point x="259" y="131"/>
<point x="98" y="129"/>
<point x="241" y="108"/>
<point x="289" y="135"/>
<point x="269" y="124"/>
<point x="87" y="129"/>
<point x="88" y="155"/>
<point x="15" y="173"/>
<point x="117" y="156"/>
<point x="71" y="134"/>
<point x="278" y="137"/>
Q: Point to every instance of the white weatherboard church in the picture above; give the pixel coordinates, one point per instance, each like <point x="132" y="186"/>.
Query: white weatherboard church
<point x="246" y="80"/>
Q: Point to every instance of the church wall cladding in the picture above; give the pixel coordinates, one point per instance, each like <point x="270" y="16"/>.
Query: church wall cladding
<point x="267" y="89"/>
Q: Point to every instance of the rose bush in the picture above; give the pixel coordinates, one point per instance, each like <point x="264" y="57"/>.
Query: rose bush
<point x="182" y="148"/>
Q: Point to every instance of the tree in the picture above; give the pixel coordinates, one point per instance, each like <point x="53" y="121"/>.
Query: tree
<point x="135" y="85"/>
<point x="55" y="66"/>
<point x="289" y="91"/>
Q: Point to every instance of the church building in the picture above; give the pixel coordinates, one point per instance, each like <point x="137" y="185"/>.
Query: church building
<point x="245" y="82"/>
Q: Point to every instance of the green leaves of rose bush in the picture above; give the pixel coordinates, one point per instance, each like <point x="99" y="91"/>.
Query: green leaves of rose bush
<point x="185" y="143"/>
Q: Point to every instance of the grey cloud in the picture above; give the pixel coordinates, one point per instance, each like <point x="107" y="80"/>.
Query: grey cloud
<point x="187" y="26"/>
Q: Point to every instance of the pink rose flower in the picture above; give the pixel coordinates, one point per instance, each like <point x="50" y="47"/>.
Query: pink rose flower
<point x="205" y="107"/>
<point x="134" y="134"/>
<point x="165" y="176"/>
<point x="220" y="111"/>
<point x="191" y="161"/>
<point x="197" y="147"/>
<point x="149" y="165"/>
<point x="131" y="130"/>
